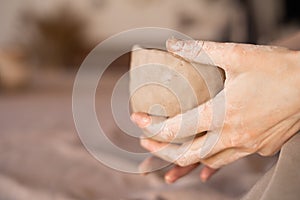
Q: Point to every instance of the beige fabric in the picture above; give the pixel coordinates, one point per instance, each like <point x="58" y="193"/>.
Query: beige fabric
<point x="282" y="181"/>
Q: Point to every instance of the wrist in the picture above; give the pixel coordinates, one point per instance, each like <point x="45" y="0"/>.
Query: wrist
<point x="294" y="57"/>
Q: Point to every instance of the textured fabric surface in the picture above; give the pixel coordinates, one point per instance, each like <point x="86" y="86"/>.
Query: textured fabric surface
<point x="283" y="180"/>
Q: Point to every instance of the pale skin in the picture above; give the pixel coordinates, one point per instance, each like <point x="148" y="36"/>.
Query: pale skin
<point x="260" y="106"/>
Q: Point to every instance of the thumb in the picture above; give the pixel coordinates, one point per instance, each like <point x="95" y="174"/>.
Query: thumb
<point x="181" y="126"/>
<point x="225" y="55"/>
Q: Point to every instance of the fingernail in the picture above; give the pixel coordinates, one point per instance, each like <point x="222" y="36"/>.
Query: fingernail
<point x="142" y="120"/>
<point x="174" y="44"/>
<point x="144" y="142"/>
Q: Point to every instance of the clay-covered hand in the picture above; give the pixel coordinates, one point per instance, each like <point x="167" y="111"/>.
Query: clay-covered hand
<point x="257" y="111"/>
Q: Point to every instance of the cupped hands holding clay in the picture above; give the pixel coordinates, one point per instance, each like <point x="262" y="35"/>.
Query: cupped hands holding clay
<point x="257" y="111"/>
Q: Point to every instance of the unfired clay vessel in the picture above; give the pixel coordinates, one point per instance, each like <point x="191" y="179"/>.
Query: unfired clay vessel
<point x="165" y="85"/>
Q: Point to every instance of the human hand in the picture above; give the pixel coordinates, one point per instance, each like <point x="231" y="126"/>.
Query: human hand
<point x="257" y="112"/>
<point x="153" y="163"/>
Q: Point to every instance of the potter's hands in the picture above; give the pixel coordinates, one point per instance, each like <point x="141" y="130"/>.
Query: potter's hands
<point x="256" y="112"/>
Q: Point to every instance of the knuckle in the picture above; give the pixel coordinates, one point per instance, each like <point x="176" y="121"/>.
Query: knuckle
<point x="251" y="147"/>
<point x="187" y="159"/>
<point x="235" y="141"/>
<point x="216" y="163"/>
<point x="267" y="152"/>
<point x="182" y="162"/>
<point x="210" y="164"/>
<point x="168" y="133"/>
<point x="232" y="141"/>
<point x="263" y="153"/>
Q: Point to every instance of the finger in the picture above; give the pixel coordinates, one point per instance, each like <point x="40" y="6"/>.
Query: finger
<point x="143" y="120"/>
<point x="207" y="116"/>
<point x="165" y="151"/>
<point x="224" y="157"/>
<point x="213" y="143"/>
<point x="206" y="173"/>
<point x="228" y="56"/>
<point x="177" y="154"/>
<point x="181" y="126"/>
<point x="177" y="172"/>
<point x="192" y="152"/>
<point x="183" y="155"/>
<point x="198" y="150"/>
<point x="151" y="164"/>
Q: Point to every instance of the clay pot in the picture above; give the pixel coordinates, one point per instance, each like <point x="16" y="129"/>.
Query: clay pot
<point x="162" y="84"/>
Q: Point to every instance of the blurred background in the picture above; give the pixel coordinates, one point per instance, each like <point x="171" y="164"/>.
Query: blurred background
<point x="42" y="45"/>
